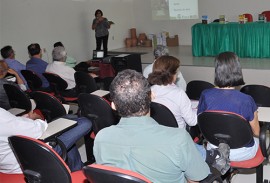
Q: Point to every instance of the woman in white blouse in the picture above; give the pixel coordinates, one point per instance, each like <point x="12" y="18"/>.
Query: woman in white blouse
<point x="165" y="92"/>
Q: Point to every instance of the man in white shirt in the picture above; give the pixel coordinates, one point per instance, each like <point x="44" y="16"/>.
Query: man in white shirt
<point x="33" y="126"/>
<point x="59" y="67"/>
<point x="161" y="50"/>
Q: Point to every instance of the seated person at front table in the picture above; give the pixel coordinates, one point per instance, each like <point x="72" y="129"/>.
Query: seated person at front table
<point x="33" y="126"/>
<point x="139" y="143"/>
<point x="36" y="64"/>
<point x="161" y="50"/>
<point x="4" y="103"/>
<point x="165" y="92"/>
<point x="8" y="55"/>
<point x="71" y="62"/>
<point x="224" y="97"/>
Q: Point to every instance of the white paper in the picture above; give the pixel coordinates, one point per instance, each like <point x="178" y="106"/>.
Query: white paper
<point x="100" y="93"/>
<point x="57" y="126"/>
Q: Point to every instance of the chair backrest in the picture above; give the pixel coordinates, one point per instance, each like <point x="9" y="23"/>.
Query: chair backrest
<point x="84" y="82"/>
<point x="260" y="94"/>
<point x="267" y="15"/>
<point x="195" y="88"/>
<point x="17" y="98"/>
<point x="100" y="173"/>
<point x="49" y="105"/>
<point x="33" y="80"/>
<point x="162" y="115"/>
<point x="219" y="126"/>
<point x="96" y="108"/>
<point x="57" y="83"/>
<point x="249" y="17"/>
<point x="39" y="161"/>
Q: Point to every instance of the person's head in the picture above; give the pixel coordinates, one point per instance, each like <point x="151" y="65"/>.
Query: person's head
<point x="7" y="52"/>
<point x="160" y="50"/>
<point x="59" y="54"/>
<point x="164" y="72"/>
<point x="98" y="13"/>
<point x="3" y="69"/>
<point x="34" y="49"/>
<point x="58" y="44"/>
<point x="130" y="93"/>
<point x="228" y="72"/>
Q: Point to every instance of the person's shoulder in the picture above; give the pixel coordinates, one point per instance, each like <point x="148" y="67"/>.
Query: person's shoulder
<point x="106" y="132"/>
<point x="147" y="70"/>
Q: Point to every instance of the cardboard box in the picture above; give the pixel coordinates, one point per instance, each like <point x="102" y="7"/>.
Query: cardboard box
<point x="172" y="41"/>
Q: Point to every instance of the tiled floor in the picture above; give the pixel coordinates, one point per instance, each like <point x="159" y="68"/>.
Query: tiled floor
<point x="251" y="177"/>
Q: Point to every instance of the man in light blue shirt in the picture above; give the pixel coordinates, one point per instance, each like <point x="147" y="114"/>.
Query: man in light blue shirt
<point x="139" y="143"/>
<point x="8" y="55"/>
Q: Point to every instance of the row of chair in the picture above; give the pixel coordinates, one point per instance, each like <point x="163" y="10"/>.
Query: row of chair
<point x="89" y="104"/>
<point x="260" y="93"/>
<point x="250" y="17"/>
<point x="84" y="84"/>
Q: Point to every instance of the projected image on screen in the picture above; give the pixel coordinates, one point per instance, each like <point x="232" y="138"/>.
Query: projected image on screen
<point x="174" y="9"/>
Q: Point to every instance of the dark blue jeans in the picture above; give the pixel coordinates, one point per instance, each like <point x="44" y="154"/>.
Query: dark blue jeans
<point x="70" y="138"/>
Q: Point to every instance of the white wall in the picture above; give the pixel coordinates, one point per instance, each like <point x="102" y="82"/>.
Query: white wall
<point x="251" y="76"/>
<point x="213" y="8"/>
<point x="47" y="21"/>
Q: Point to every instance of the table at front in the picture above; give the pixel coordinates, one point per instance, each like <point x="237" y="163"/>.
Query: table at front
<point x="246" y="40"/>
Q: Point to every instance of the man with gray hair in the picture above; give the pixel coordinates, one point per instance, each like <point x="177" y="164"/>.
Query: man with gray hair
<point x="161" y="50"/>
<point x="139" y="143"/>
<point x="59" y="67"/>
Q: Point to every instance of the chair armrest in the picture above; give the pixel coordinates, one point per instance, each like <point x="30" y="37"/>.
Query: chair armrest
<point x="93" y="118"/>
<point x="263" y="140"/>
<point x="32" y="176"/>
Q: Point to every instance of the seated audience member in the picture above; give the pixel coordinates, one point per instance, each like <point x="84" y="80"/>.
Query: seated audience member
<point x="59" y="67"/>
<point x="161" y="50"/>
<point x="71" y="62"/>
<point x="4" y="103"/>
<point x="33" y="126"/>
<point x="36" y="64"/>
<point x="165" y="70"/>
<point x="224" y="97"/>
<point x="8" y="55"/>
<point x="139" y="143"/>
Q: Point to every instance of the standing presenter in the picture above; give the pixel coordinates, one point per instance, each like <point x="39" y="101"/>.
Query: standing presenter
<point x="101" y="25"/>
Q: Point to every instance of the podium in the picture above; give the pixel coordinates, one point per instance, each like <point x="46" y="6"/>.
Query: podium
<point x="127" y="61"/>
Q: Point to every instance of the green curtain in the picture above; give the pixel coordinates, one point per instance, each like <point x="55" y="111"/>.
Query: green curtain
<point x="246" y="40"/>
